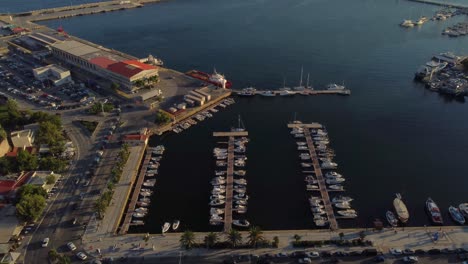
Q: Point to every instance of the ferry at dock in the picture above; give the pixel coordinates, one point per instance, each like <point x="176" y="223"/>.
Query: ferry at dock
<point x="215" y="78"/>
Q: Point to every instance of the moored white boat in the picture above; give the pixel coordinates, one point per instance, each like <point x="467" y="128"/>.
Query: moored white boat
<point x="175" y="225"/>
<point x="165" y="227"/>
<point x="241" y="223"/>
<point x="391" y="218"/>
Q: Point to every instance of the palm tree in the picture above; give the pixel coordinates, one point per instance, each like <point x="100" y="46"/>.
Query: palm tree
<point x="187" y="240"/>
<point x="297" y="237"/>
<point x="362" y="235"/>
<point x="234" y="237"/>
<point x="255" y="236"/>
<point x="341" y="234"/>
<point x="211" y="239"/>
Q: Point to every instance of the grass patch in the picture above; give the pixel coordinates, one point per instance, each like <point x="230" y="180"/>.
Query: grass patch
<point x="89" y="125"/>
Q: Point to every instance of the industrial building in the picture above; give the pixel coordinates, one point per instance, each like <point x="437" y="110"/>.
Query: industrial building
<point x="120" y="69"/>
<point x="55" y="74"/>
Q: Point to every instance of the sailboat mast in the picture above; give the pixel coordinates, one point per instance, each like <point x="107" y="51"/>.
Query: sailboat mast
<point x="300" y="82"/>
<point x="307" y="80"/>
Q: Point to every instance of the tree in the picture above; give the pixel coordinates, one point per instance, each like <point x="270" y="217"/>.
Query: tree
<point x="162" y="118"/>
<point x="43" y="116"/>
<point x="341" y="234"/>
<point x="53" y="255"/>
<point x="275" y="242"/>
<point x="29" y="189"/>
<point x="14" y="115"/>
<point x="26" y="161"/>
<point x="64" y="259"/>
<point x="51" y="163"/>
<point x="187" y="240"/>
<point x="30" y="207"/>
<point x="255" y="236"/>
<point x="50" y="179"/>
<point x="7" y="165"/>
<point x="211" y="239"/>
<point x="3" y="134"/>
<point x="234" y="238"/>
<point x="49" y="133"/>
<point x="297" y="238"/>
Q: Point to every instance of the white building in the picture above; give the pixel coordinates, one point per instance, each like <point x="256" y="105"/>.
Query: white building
<point x="22" y="138"/>
<point x="54" y="73"/>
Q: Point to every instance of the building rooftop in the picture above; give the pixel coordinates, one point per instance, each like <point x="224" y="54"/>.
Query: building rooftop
<point x="135" y="137"/>
<point x="9" y="224"/>
<point x="129" y="68"/>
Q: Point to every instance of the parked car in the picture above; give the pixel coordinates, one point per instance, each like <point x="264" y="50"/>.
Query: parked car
<point x="45" y="242"/>
<point x="71" y="246"/>
<point x="410" y="259"/>
<point x="81" y="255"/>
<point x="396" y="251"/>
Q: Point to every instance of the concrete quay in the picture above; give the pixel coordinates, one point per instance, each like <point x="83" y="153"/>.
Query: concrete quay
<point x="441" y="3"/>
<point x="133" y="245"/>
<point x="80" y="10"/>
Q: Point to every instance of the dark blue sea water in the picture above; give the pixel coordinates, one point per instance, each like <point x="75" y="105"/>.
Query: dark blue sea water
<point x="391" y="135"/>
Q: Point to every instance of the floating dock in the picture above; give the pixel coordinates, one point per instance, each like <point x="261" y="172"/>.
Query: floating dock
<point x="303" y="92"/>
<point x="127" y="217"/>
<point x="229" y="175"/>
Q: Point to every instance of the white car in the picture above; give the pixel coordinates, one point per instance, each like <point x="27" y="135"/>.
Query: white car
<point x="71" y="246"/>
<point x="313" y="254"/>
<point x="410" y="259"/>
<point x="305" y="260"/>
<point x="81" y="255"/>
<point x="396" y="251"/>
<point x="45" y="242"/>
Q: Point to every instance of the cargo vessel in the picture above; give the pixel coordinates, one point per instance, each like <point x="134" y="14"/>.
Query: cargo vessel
<point x="215" y="78"/>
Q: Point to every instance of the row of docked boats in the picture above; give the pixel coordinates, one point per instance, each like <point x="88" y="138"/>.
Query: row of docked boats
<point x="330" y="180"/>
<point x="239" y="184"/>
<point x="201" y="116"/>
<point x="166" y="227"/>
<point x="151" y="170"/>
<point x="458" y="214"/>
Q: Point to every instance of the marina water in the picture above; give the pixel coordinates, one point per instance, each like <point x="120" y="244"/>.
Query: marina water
<point x="391" y="135"/>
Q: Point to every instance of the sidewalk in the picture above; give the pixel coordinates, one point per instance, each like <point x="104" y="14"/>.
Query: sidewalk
<point x="133" y="245"/>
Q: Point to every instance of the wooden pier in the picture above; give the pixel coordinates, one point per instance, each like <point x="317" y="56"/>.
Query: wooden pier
<point x="229" y="175"/>
<point x="126" y="222"/>
<point x="321" y="181"/>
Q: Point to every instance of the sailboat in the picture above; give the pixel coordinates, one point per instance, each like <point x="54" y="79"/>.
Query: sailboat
<point x="300" y="87"/>
<point x="240" y="126"/>
<point x="285" y="91"/>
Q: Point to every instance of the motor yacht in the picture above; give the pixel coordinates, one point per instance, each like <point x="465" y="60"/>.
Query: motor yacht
<point x="306" y="165"/>
<point x="456" y="215"/>
<point x="241" y="223"/>
<point x="400" y="208"/>
<point x="216" y="202"/>
<point x="321" y="222"/>
<point x="334" y="181"/>
<point x="316" y="210"/>
<point x="311" y="187"/>
<point x="241" y="196"/>
<point x="343" y="205"/>
<point x="220" y="173"/>
<point x="149" y="183"/>
<point x="267" y="93"/>
<point x="336" y="187"/>
<point x="142" y="204"/>
<point x="141" y="210"/>
<point x="217" y="197"/>
<point x="175" y="225"/>
<point x="329" y="165"/>
<point x="348" y="213"/>
<point x="216" y="217"/>
<point x="340" y="199"/>
<point x="240" y="181"/>
<point x="138" y="215"/>
<point x="217" y="211"/>
<point x="146" y="193"/>
<point x="434" y="212"/>
<point x="301" y="143"/>
<point x="463" y="207"/>
<point x="165" y="227"/>
<point x="391" y="218"/>
<point x="333" y="174"/>
<point x="145" y="200"/>
<point x="138" y="222"/>
<point x="241" y="202"/>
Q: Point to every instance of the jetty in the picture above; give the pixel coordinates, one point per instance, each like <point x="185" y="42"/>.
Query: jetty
<point x="306" y="91"/>
<point x="229" y="175"/>
<point x="318" y="171"/>
<point x="127" y="217"/>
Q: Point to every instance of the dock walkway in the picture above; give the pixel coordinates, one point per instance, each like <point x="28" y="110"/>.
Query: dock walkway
<point x="126" y="223"/>
<point x="229" y="186"/>
<point x="303" y="92"/>
<point x="321" y="180"/>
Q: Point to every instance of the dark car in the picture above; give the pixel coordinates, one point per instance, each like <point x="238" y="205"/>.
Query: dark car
<point x="326" y="254"/>
<point x="299" y="254"/>
<point x="408" y="252"/>
<point x="434" y="251"/>
<point x="379" y="259"/>
<point x="420" y="252"/>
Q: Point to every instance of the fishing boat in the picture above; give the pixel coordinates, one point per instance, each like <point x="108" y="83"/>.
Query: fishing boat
<point x="456" y="215"/>
<point x="175" y="225"/>
<point x="241" y="223"/>
<point x="391" y="218"/>
<point x="401" y="209"/>
<point x="165" y="227"/>
<point x="464" y="209"/>
<point x="434" y="212"/>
